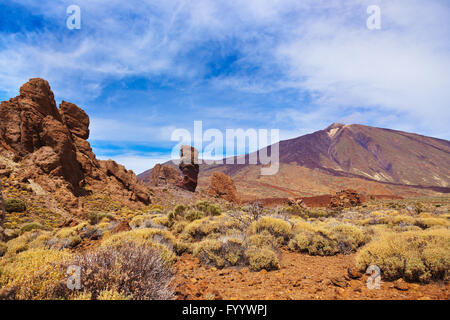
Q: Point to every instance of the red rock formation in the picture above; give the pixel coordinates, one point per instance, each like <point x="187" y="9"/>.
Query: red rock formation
<point x="51" y="146"/>
<point x="222" y="186"/>
<point x="189" y="167"/>
<point x="164" y="174"/>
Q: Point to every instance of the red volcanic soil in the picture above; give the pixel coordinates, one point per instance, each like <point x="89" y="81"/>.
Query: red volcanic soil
<point x="300" y="277"/>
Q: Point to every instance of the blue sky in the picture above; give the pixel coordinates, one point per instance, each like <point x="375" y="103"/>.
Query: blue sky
<point x="144" y="68"/>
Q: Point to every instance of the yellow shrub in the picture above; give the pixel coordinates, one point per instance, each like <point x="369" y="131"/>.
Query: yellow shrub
<point x="413" y="255"/>
<point x="264" y="239"/>
<point x="161" y="240"/>
<point x="28" y="240"/>
<point x="32" y="274"/>
<point x="276" y="227"/>
<point x="262" y="258"/>
<point x="220" y="252"/>
<point x="326" y="240"/>
<point x="199" y="229"/>
<point x="111" y="295"/>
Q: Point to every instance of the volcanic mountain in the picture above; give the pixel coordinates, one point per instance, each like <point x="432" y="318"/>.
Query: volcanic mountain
<point x="369" y="159"/>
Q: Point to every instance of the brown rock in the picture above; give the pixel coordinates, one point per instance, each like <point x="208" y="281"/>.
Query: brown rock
<point x="401" y="285"/>
<point x="51" y="145"/>
<point x="345" y="199"/>
<point x="164" y="175"/>
<point x="76" y="120"/>
<point x="339" y="281"/>
<point x="222" y="186"/>
<point x="122" y="226"/>
<point x="353" y="274"/>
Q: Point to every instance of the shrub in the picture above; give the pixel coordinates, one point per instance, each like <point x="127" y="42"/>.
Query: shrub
<point x="3" y="249"/>
<point x="32" y="274"/>
<point x="96" y="217"/>
<point x="262" y="258"/>
<point x="413" y="255"/>
<point x="30" y="226"/>
<point x="276" y="227"/>
<point x="128" y="271"/>
<point x="161" y="240"/>
<point x="15" y="205"/>
<point x="327" y="240"/>
<point x="220" y="252"/>
<point x="209" y="209"/>
<point x="194" y="215"/>
<point x="29" y="240"/>
<point x="179" y="210"/>
<point x="264" y="239"/>
<point x="199" y="229"/>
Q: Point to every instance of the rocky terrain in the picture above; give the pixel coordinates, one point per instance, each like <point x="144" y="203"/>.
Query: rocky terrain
<point x="196" y="232"/>
<point x="47" y="148"/>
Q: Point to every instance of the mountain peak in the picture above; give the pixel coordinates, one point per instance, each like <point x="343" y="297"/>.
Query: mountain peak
<point x="334" y="125"/>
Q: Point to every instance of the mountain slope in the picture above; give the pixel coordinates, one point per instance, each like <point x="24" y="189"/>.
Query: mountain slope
<point x="378" y="154"/>
<point x="368" y="159"/>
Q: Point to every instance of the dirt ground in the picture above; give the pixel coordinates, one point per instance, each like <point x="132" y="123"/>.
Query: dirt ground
<point x="300" y="277"/>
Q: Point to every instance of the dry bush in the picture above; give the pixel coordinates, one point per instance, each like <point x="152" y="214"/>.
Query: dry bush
<point x="412" y="255"/>
<point x="32" y="274"/>
<point x="199" y="229"/>
<point x="262" y="258"/>
<point x="221" y="252"/>
<point x="128" y="271"/>
<point x="35" y="239"/>
<point x="161" y="240"/>
<point x="264" y="239"/>
<point x="326" y="240"/>
<point x="276" y="227"/>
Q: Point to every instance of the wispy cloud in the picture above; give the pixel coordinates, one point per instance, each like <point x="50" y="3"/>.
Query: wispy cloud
<point x="143" y="68"/>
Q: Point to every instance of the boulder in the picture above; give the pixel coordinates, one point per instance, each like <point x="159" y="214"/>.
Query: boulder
<point x="222" y="186"/>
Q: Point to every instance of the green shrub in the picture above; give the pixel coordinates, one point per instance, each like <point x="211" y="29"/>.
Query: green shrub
<point x="179" y="210"/>
<point x="31" y="226"/>
<point x="193" y="215"/>
<point x="208" y="208"/>
<point x="413" y="255"/>
<point x="15" y="205"/>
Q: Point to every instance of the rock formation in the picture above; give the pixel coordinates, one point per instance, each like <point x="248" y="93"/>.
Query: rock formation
<point x="50" y="146"/>
<point x="164" y="174"/>
<point x="189" y="167"/>
<point x="222" y="186"/>
<point x="345" y="199"/>
<point x="2" y="213"/>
